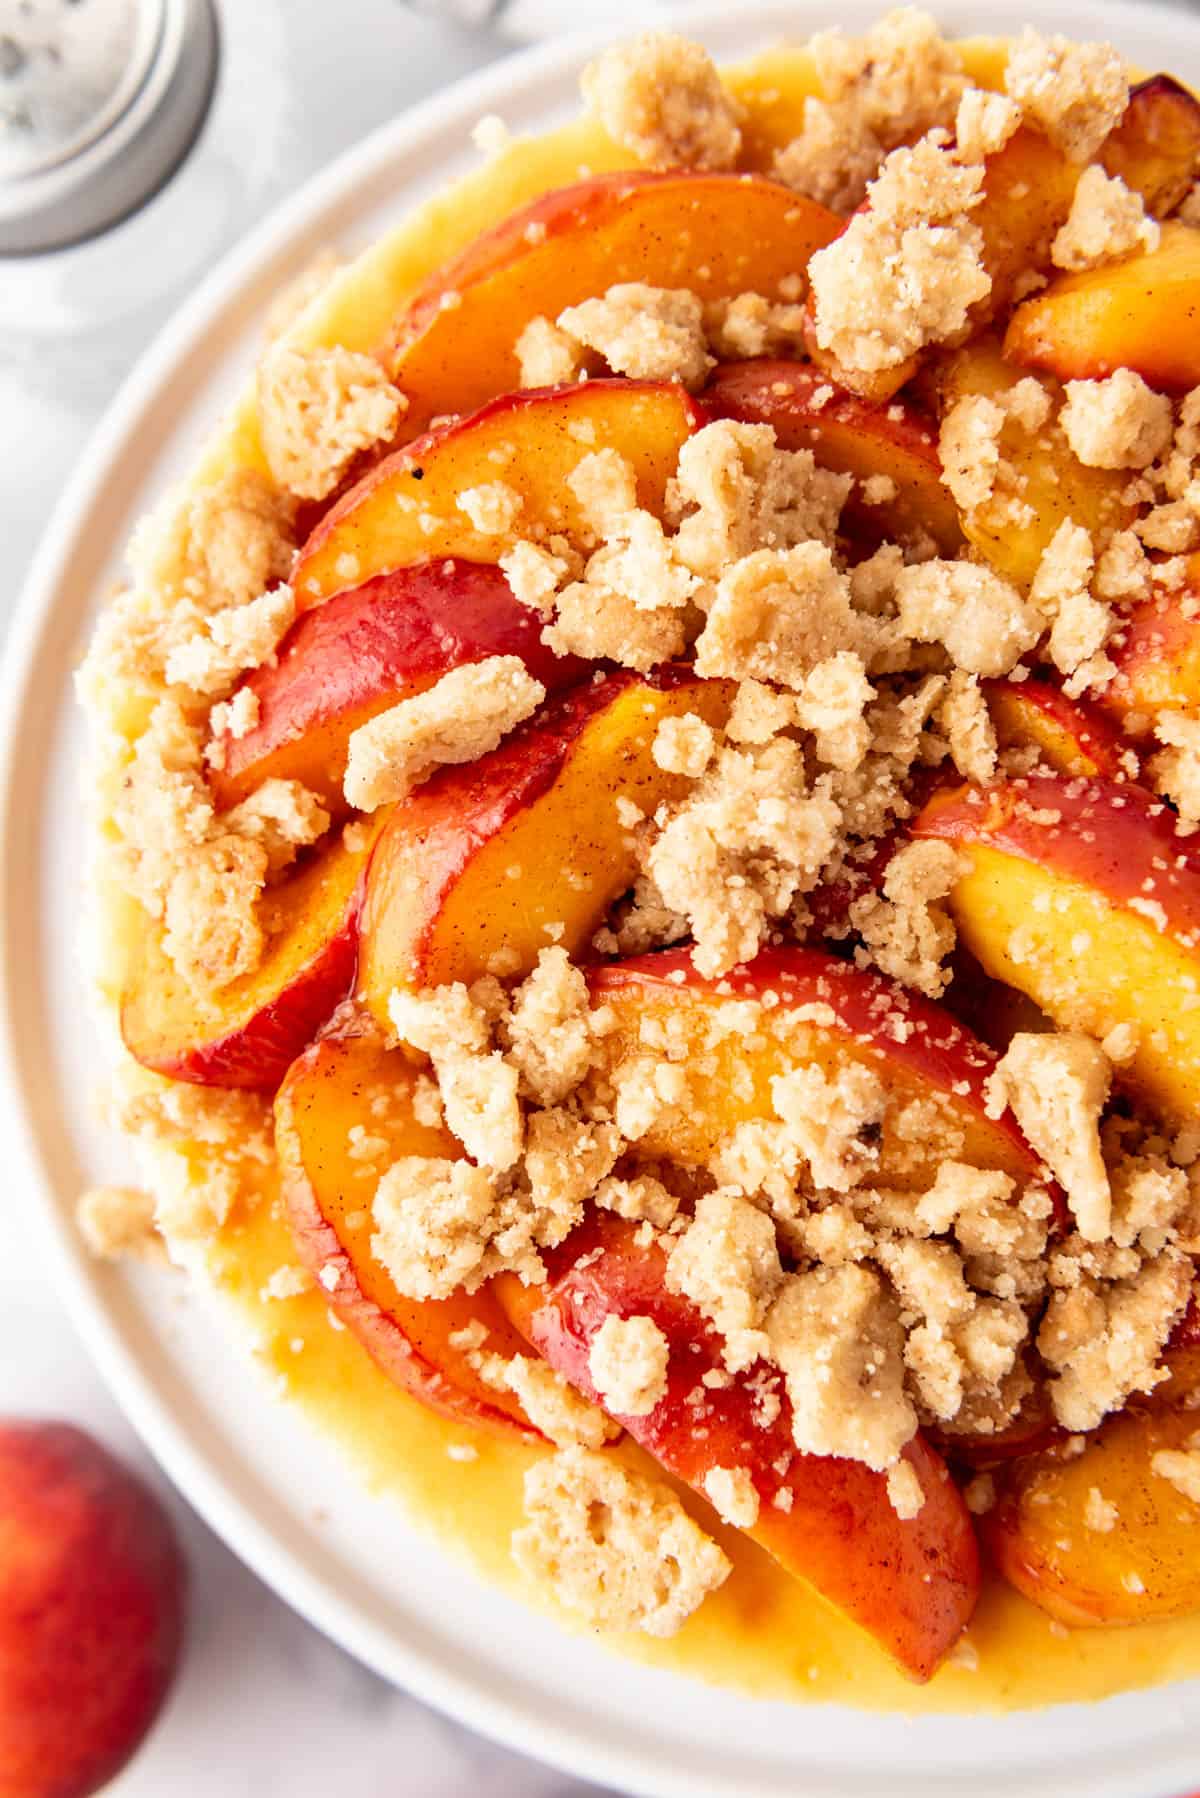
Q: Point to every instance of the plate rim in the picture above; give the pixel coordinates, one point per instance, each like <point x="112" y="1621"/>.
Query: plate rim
<point x="79" y="1284"/>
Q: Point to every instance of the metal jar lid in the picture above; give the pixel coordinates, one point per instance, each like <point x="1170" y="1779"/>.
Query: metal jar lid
<point x="99" y="102"/>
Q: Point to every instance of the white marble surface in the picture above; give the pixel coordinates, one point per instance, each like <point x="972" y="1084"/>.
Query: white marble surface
<point x="265" y="1707"/>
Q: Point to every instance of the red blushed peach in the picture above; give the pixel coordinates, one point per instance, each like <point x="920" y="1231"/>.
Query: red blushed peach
<point x="1082" y="894"/>
<point x="911" y="1585"/>
<point x="1070" y="736"/>
<point x="1141" y="313"/>
<point x="528" y="846"/>
<point x="367" y="650"/>
<point x="1157" y="656"/>
<point x="347" y="1080"/>
<point x="896" y="442"/>
<point x="92" y="1599"/>
<point x="817" y="1010"/>
<point x="249" y="1032"/>
<point x="1143" y="1566"/>
<point x="717" y="235"/>
<point x="406" y="509"/>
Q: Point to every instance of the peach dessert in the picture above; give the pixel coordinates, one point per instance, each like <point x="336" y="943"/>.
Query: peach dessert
<point x="645" y="819"/>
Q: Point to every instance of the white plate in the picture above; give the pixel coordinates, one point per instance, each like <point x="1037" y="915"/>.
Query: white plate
<point x="254" y="1468"/>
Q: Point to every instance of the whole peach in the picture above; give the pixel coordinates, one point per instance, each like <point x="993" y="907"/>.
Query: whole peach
<point x="92" y="1595"/>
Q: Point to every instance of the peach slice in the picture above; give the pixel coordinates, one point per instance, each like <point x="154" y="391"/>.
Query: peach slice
<point x="1052" y="484"/>
<point x="846" y="432"/>
<point x="819" y="1010"/>
<point x="366" y="650"/>
<point x="1142" y="313"/>
<point x="911" y="1585"/>
<point x="406" y="509"/>
<point x="1156" y="147"/>
<point x="1082" y="894"/>
<point x="93" y="1591"/>
<point x="525" y="847"/>
<point x="1142" y="1567"/>
<point x="342" y="1081"/>
<point x="718" y="235"/>
<point x="1157" y="654"/>
<point x="248" y="1033"/>
<point x="1071" y="737"/>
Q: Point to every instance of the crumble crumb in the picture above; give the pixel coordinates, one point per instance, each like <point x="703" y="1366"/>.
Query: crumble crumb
<point x="614" y="1545"/>
<point x="1074" y="92"/>
<point x="235" y="717"/>
<point x="493" y="507"/>
<point x="751" y="325"/>
<point x="735" y="491"/>
<point x="478" y="1086"/>
<point x="830" y="1121"/>
<point x="758" y="713"/>
<point x="980" y="1494"/>
<point x="969" y="448"/>
<point x="963" y="715"/>
<point x="901" y="76"/>
<point x="549" y="1030"/>
<point x="283" y="817"/>
<point x="834" y="158"/>
<point x="1099" y="1513"/>
<point x="604" y="485"/>
<point x="431" y="1225"/>
<point x="534" y="574"/>
<point x="727" y="1263"/>
<point x="461" y="717"/>
<point x="776" y="615"/>
<point x="1107" y="221"/>
<point x="1057" y="1085"/>
<point x="905" y="1492"/>
<point x="1103" y="1338"/>
<point x="733" y="1496"/>
<point x="1181" y="1468"/>
<point x="628" y="1361"/>
<point x="835" y="1332"/>
<point x="684" y="745"/>
<point x="641" y="1199"/>
<point x="318" y="410"/>
<point x="1175" y="770"/>
<point x="832" y="704"/>
<point x="646" y="333"/>
<point x="906" y="931"/>
<point x="984" y="123"/>
<point x="1118" y="422"/>
<point x="211" y="929"/>
<point x="907" y="270"/>
<point x="550" y="1403"/>
<point x="984" y="623"/>
<point x="548" y="356"/>
<point x="229" y="642"/>
<point x="116" y="1221"/>
<point x="662" y="98"/>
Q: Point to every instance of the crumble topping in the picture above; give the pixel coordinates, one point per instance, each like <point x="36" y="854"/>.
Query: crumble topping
<point x="835" y="157"/>
<point x="461" y="717"/>
<point x="548" y="356"/>
<point x="550" y="1403"/>
<point x="734" y="1496"/>
<point x="318" y="410"/>
<point x="727" y="1263"/>
<point x="828" y="1120"/>
<point x="904" y="1490"/>
<point x="981" y="619"/>
<point x="906" y="931"/>
<point x="907" y="270"/>
<point x="231" y="641"/>
<point x="662" y="98"/>
<point x="984" y="123"/>
<point x="1175" y="770"/>
<point x="1181" y="1469"/>
<point x="647" y="333"/>
<point x="493" y="507"/>
<point x="119" y="1221"/>
<point x="1106" y="222"/>
<point x="1076" y="93"/>
<point x="613" y="1545"/>
<point x="1057" y="1086"/>
<point x="1118" y="422"/>
<point x="628" y="1364"/>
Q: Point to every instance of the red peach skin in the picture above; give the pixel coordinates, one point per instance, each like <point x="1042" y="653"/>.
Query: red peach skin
<point x="911" y="1585"/>
<point x="328" y="1197"/>
<point x="92" y="1599"/>
<point x="366" y="650"/>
